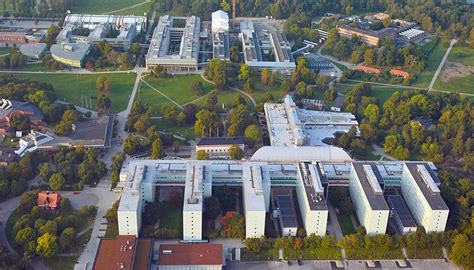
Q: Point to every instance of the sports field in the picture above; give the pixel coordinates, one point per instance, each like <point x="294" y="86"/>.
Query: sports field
<point x="458" y="72"/>
<point x="70" y="87"/>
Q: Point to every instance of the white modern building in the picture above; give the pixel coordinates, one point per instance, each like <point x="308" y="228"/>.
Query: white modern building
<point x="220" y="35"/>
<point x="422" y="196"/>
<point x="289" y="125"/>
<point x="102" y="27"/>
<point x="368" y="199"/>
<point x="265" y="47"/>
<point x="264" y="182"/>
<point x="218" y="147"/>
<point x="175" y="44"/>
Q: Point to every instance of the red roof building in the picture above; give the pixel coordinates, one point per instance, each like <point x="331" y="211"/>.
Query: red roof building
<point x="401" y="73"/>
<point x="49" y="201"/>
<point x="125" y="252"/>
<point x="367" y="69"/>
<point x="180" y="256"/>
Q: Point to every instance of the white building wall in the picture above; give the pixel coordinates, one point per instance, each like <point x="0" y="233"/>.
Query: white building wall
<point x="192" y="225"/>
<point x="254" y="224"/>
<point x="431" y="220"/>
<point x="148" y="192"/>
<point x="130" y="221"/>
<point x="313" y="221"/>
<point x="374" y="222"/>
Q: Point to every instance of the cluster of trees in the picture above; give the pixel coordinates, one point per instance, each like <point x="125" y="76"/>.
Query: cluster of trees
<point x="362" y="246"/>
<point x="66" y="125"/>
<point x="117" y="160"/>
<point x="310" y="247"/>
<point x="40" y="94"/>
<point x="452" y="19"/>
<point x="298" y="28"/>
<point x="103" y="55"/>
<point x="43" y="233"/>
<point x="14" y="60"/>
<point x="49" y="61"/>
<point x="72" y="168"/>
<point x="220" y="72"/>
<point x="13" y="180"/>
<point x="104" y="86"/>
<point x="232" y="225"/>
<point x="159" y="211"/>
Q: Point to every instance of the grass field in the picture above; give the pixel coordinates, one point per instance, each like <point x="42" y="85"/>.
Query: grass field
<point x="99" y="7"/>
<point x="138" y="11"/>
<point x="173" y="219"/>
<point x="461" y="85"/>
<point x="432" y="63"/>
<point x="186" y="131"/>
<point x="4" y="50"/>
<point x="462" y="55"/>
<point x="61" y="262"/>
<point x="178" y="88"/>
<point x="346" y="224"/>
<point x="380" y="92"/>
<point x="70" y="87"/>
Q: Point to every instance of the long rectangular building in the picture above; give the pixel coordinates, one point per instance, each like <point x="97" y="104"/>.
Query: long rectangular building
<point x="175" y="44"/>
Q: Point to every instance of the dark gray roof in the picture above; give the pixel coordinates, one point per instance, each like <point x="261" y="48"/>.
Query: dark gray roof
<point x="434" y="199"/>
<point x="287" y="211"/>
<point x="19" y="106"/>
<point x="338" y="101"/>
<point x="221" y="140"/>
<point x="398" y="205"/>
<point x="376" y="200"/>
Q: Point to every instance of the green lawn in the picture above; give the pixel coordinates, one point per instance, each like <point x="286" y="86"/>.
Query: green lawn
<point x="138" y="11"/>
<point x="183" y="131"/>
<point x="173" y="219"/>
<point x="99" y="7"/>
<point x="461" y="85"/>
<point x="70" y="87"/>
<point x="178" y="87"/>
<point x="262" y="90"/>
<point x="4" y="50"/>
<point x="346" y="224"/>
<point x="224" y="97"/>
<point x="432" y="63"/>
<point x="463" y="55"/>
<point x="15" y="215"/>
<point x="380" y="92"/>
<point x="61" y="263"/>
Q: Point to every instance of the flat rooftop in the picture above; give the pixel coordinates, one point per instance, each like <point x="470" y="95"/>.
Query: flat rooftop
<point x="220" y="141"/>
<point x="175" y="40"/>
<point x="72" y="51"/>
<point x="371" y="185"/>
<point x="187" y="254"/>
<point x="253" y="187"/>
<point x="123" y="252"/>
<point x="397" y="204"/>
<point x="313" y="186"/>
<point x="430" y="190"/>
<point x="290" y="125"/>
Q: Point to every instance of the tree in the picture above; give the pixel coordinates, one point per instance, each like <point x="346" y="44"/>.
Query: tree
<point x="103" y="102"/>
<point x="427" y="24"/>
<point x="211" y="102"/>
<point x="197" y="88"/>
<point x="190" y="111"/>
<point x="462" y="251"/>
<point x="235" y="152"/>
<point x="202" y="155"/>
<point x="432" y="152"/>
<point x="330" y="94"/>
<point x="249" y="86"/>
<point x="100" y="83"/>
<point x="20" y="122"/>
<point x="206" y="122"/>
<point x="47" y="245"/>
<point x="67" y="237"/>
<point x="244" y="72"/>
<point x="252" y="134"/>
<point x="370" y="57"/>
<point x="159" y="72"/>
<point x="212" y="208"/>
<point x="266" y="76"/>
<point x="372" y="113"/>
<point x="132" y="145"/>
<point x="135" y="48"/>
<point x="390" y="144"/>
<point x="157" y="150"/>
<point x="286" y="86"/>
<point x="401" y="153"/>
<point x="232" y="225"/>
<point x="25" y="235"/>
<point x="56" y="181"/>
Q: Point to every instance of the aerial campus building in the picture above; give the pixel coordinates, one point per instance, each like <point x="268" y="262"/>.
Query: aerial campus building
<point x="277" y="187"/>
<point x="72" y="54"/>
<point x="289" y="125"/>
<point x="175" y="44"/>
<point x="220" y="35"/>
<point x="102" y="27"/>
<point x="265" y="47"/>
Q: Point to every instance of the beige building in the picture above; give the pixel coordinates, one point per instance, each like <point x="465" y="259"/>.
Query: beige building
<point x="218" y="147"/>
<point x="370" y="38"/>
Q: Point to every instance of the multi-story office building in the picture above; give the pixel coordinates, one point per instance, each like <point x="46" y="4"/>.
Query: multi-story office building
<point x="275" y="181"/>
<point x="422" y="196"/>
<point x="220" y="35"/>
<point x="368" y="199"/>
<point x="175" y="44"/>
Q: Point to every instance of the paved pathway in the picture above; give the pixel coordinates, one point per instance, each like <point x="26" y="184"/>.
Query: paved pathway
<point x="334" y="226"/>
<point x="333" y="59"/>
<point x="163" y="94"/>
<point x="381" y="152"/>
<point x="232" y="88"/>
<point x="440" y="67"/>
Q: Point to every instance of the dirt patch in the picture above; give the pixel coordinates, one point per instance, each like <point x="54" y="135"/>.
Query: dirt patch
<point x="455" y="70"/>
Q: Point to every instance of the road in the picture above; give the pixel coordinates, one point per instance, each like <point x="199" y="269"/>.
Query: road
<point x="440" y="67"/>
<point x="380" y="152"/>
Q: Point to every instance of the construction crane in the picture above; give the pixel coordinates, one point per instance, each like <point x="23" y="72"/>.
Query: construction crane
<point x="234" y="7"/>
